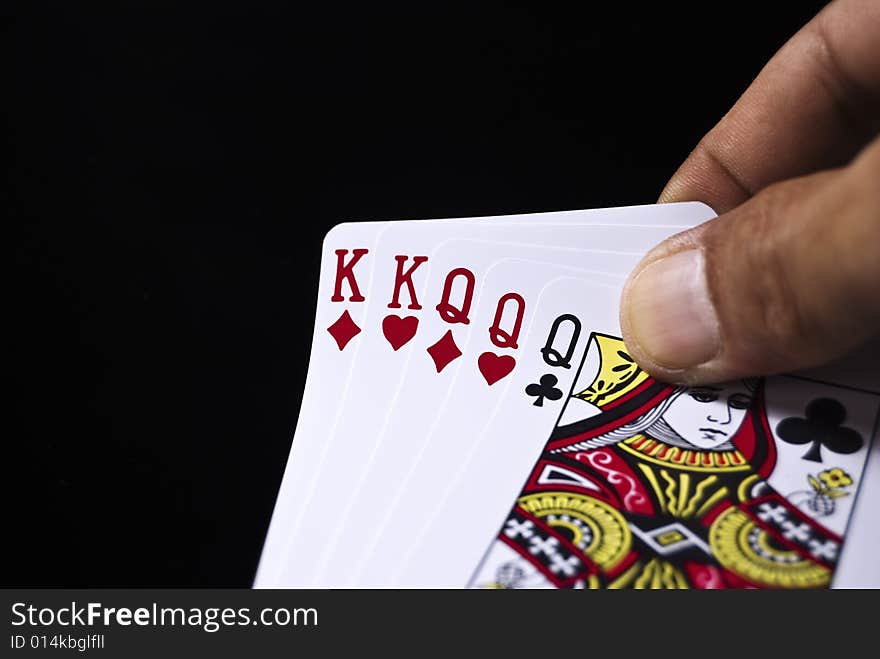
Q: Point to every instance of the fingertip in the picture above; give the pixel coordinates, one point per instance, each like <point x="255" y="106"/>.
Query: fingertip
<point x="669" y="313"/>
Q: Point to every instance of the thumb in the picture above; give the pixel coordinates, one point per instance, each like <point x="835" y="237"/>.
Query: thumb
<point x="789" y="279"/>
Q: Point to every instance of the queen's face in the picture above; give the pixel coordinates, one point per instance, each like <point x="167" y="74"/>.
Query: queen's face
<point x="709" y="416"/>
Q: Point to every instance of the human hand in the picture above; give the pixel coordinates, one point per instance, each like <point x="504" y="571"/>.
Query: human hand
<point x="788" y="276"/>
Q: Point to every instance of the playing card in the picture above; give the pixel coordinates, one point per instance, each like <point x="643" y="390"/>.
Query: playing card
<point x="646" y="485"/>
<point x="506" y="443"/>
<point x="858" y="567"/>
<point x="439" y="536"/>
<point x="433" y="366"/>
<point x="344" y="284"/>
<point x="390" y="324"/>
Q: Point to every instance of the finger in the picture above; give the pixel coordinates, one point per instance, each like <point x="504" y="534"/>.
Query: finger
<point x="812" y="107"/>
<point x="787" y="280"/>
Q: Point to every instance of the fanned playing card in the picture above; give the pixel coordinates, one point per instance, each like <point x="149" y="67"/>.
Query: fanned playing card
<point x="471" y="418"/>
<point x="495" y="448"/>
<point x="345" y="290"/>
<point x="640" y="484"/>
<point x="376" y="397"/>
<point x="354" y="314"/>
<point x="431" y="378"/>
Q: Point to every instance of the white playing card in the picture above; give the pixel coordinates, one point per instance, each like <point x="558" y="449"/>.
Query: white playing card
<point x="744" y="484"/>
<point x="444" y="535"/>
<point x="343" y="311"/>
<point x="329" y="366"/>
<point x="390" y="322"/>
<point x="720" y="506"/>
<point x="423" y="384"/>
<point x="805" y="461"/>
<point x="797" y="516"/>
<point x="858" y="567"/>
<point x="859" y="373"/>
<point x="684" y="214"/>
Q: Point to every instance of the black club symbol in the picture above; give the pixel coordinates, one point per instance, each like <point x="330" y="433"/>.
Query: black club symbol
<point x="544" y="389"/>
<point x="821" y="427"/>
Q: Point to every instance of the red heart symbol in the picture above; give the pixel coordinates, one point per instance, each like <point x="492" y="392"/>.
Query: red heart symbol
<point x="399" y="330"/>
<point x="494" y="367"/>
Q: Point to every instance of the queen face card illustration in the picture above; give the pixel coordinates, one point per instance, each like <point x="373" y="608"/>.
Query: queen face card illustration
<point x="749" y="484"/>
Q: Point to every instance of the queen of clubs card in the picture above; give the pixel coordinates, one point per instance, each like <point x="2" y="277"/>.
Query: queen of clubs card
<point x="647" y="485"/>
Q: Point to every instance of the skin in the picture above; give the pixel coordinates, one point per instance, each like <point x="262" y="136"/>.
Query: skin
<point x="792" y="263"/>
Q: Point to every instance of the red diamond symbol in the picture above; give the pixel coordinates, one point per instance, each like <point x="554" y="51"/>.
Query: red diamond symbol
<point x="344" y="330"/>
<point x="444" y="351"/>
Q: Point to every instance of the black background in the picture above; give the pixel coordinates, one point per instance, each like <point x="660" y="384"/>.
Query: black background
<point x="172" y="173"/>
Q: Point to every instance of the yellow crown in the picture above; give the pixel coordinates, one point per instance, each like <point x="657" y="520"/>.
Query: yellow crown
<point x="618" y="373"/>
